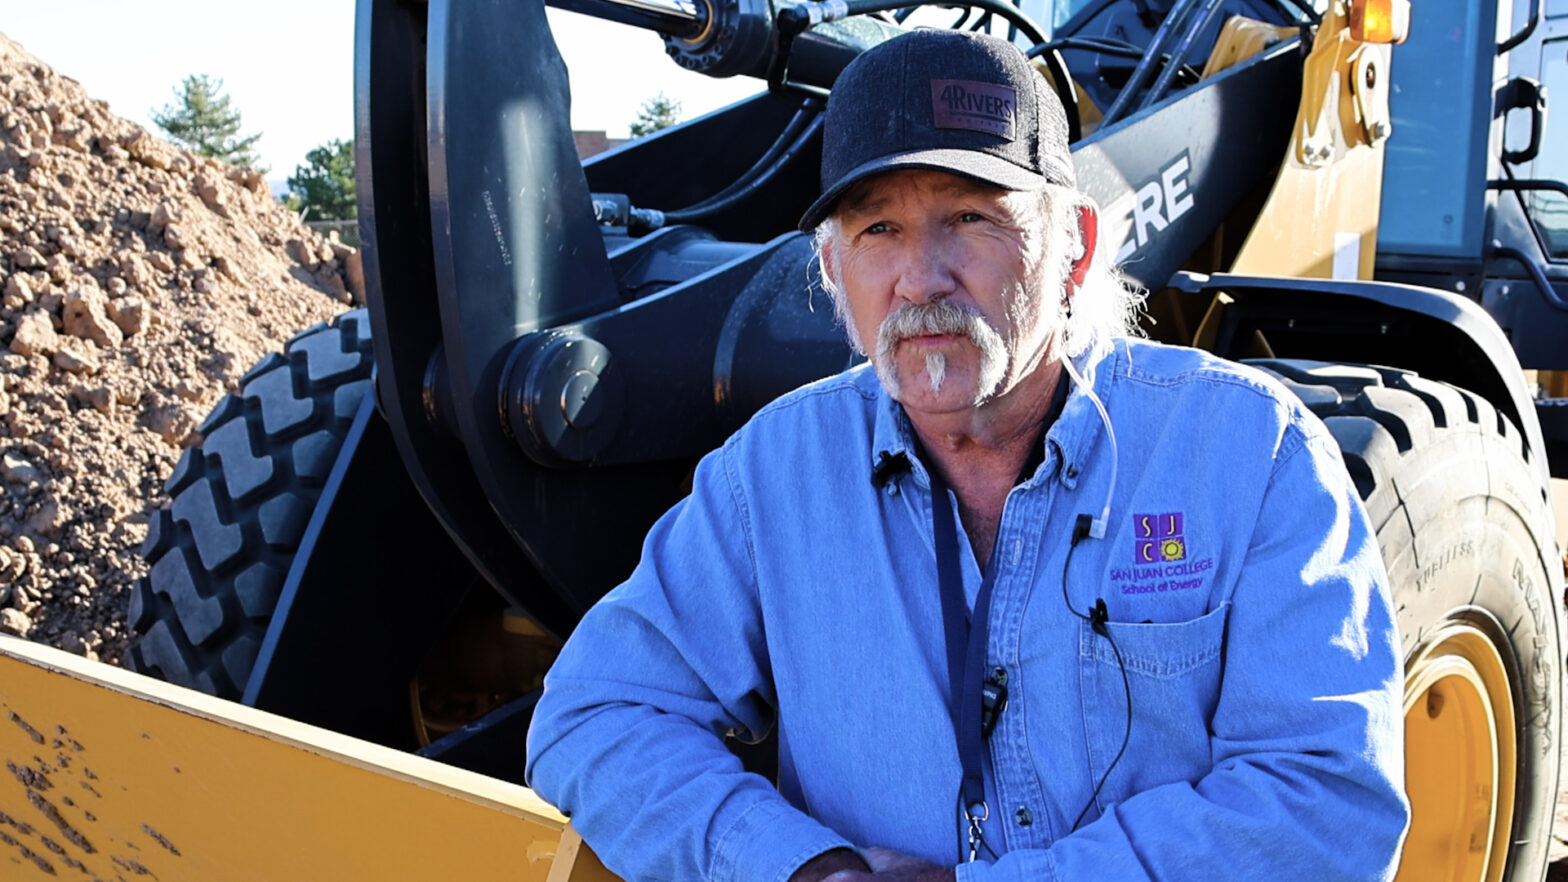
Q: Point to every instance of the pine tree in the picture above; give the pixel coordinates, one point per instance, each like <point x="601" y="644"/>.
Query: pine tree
<point x="324" y="184"/>
<point x="658" y="112"/>
<point x="202" y="120"/>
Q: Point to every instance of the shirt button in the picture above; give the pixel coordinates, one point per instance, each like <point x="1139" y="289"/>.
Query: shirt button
<point x="1072" y="470"/>
<point x="1024" y="816"/>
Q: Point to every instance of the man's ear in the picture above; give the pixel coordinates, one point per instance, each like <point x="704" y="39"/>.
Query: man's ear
<point x="1088" y="233"/>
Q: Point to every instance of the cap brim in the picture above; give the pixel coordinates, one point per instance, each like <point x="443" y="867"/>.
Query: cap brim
<point x="969" y="163"/>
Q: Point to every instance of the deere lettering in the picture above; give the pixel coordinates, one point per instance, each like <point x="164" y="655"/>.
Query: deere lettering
<point x="979" y="107"/>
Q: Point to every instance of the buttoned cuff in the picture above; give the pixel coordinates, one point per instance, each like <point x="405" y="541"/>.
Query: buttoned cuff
<point x="770" y="841"/>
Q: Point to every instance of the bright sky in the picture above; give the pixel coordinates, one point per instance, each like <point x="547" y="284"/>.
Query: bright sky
<point x="288" y="65"/>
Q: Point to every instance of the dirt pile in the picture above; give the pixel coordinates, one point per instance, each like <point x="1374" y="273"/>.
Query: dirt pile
<point x="138" y="282"/>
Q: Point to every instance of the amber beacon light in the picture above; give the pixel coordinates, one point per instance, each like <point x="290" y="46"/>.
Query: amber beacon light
<point x="1379" y="21"/>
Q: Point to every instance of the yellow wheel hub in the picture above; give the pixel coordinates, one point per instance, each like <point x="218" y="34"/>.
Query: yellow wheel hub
<point x="1459" y="759"/>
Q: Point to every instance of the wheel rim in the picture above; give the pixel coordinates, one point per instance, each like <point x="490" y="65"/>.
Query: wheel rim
<point x="1459" y="758"/>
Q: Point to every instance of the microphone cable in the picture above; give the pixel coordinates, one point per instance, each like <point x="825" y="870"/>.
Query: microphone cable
<point x="1098" y="617"/>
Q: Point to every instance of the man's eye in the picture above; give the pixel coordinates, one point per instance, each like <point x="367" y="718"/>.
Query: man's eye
<point x="876" y="228"/>
<point x="970" y="217"/>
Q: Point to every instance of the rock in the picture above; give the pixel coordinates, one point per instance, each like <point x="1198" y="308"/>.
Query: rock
<point x="132" y="269"/>
<point x="160" y="262"/>
<point x="149" y="151"/>
<point x="59" y="268"/>
<point x="79" y="140"/>
<point x="300" y="252"/>
<point x="35" y="334"/>
<point x="174" y="422"/>
<point x="16" y="469"/>
<point x="250" y="179"/>
<point x="85" y="314"/>
<point x="50" y="517"/>
<point x="27" y="257"/>
<point x="226" y="266"/>
<point x="207" y="188"/>
<point x="116" y="286"/>
<point x="19" y="286"/>
<point x="13" y="564"/>
<point x="14" y="621"/>
<point x="174" y="237"/>
<point x="129" y="314"/>
<point x="161" y="217"/>
<point x="74" y="360"/>
<point x="100" y="398"/>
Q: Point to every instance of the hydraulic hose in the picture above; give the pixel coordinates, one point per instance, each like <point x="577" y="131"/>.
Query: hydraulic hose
<point x="802" y="119"/>
<point x="1087" y="44"/>
<point x="1183" y="49"/>
<point x="738" y="192"/>
<point x="793" y="20"/>
<point x="1124" y="99"/>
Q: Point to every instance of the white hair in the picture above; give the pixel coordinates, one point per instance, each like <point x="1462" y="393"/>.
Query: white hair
<point x="1105" y="306"/>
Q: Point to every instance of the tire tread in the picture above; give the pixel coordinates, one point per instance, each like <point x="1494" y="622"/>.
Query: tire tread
<point x="219" y="552"/>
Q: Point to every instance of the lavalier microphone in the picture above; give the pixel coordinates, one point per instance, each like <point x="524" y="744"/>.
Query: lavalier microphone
<point x="888" y="466"/>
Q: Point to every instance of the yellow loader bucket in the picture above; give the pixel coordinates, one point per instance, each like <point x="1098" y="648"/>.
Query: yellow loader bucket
<point x="112" y="775"/>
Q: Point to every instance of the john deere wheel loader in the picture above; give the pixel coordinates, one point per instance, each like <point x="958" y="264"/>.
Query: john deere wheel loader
<point x="389" y="529"/>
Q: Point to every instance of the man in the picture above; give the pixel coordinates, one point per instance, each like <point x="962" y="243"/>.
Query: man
<point x="1160" y="648"/>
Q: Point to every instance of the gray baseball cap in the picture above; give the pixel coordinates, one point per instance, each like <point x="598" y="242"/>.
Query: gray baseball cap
<point x="950" y="101"/>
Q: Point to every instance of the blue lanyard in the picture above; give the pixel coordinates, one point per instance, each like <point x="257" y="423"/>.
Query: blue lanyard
<point x="974" y="700"/>
<point x="966" y="650"/>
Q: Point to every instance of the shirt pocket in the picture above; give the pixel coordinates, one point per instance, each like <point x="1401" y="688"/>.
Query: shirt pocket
<point x="1173" y="673"/>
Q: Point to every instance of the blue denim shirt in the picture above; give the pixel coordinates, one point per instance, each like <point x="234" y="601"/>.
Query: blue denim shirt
<point x="1246" y="596"/>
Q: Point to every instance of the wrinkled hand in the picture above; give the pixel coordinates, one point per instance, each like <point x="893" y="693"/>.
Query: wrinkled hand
<point x="888" y="865"/>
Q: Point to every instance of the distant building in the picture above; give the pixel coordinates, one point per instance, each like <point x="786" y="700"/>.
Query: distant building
<point x="592" y="143"/>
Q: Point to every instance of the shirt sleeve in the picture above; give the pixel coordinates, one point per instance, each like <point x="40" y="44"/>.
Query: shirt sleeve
<point x="627" y="738"/>
<point x="1307" y="736"/>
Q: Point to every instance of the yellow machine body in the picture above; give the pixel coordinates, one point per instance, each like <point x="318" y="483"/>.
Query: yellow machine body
<point x="111" y="775"/>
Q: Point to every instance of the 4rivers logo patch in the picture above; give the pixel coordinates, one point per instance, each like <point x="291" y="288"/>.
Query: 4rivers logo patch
<point x="1160" y="557"/>
<point x="979" y="107"/>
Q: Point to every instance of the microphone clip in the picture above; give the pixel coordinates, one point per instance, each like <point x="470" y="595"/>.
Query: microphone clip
<point x="888" y="466"/>
<point x="1098" y="616"/>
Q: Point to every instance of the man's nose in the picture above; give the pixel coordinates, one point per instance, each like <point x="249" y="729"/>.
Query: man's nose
<point x="925" y="270"/>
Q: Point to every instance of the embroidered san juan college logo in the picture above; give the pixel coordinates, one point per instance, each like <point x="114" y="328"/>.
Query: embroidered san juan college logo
<point x="1160" y="538"/>
<point x="1161" y="561"/>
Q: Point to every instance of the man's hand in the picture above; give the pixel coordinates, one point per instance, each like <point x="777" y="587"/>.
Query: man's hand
<point x="871" y="865"/>
<point x="831" y="864"/>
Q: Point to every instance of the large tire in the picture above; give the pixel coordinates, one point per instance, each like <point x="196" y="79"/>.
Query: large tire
<point x="219" y="552"/>
<point x="1466" y="532"/>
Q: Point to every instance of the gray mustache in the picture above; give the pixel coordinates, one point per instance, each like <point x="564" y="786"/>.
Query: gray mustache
<point x="918" y="319"/>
